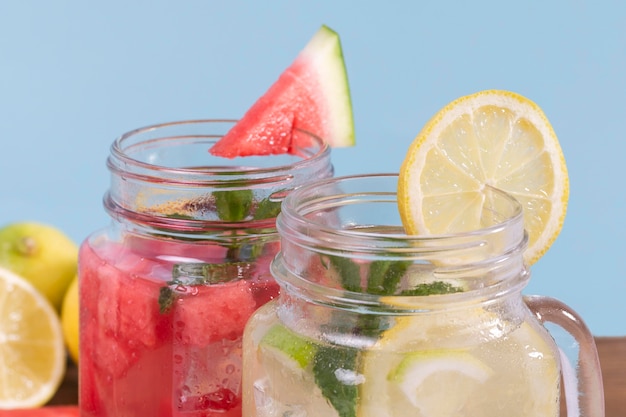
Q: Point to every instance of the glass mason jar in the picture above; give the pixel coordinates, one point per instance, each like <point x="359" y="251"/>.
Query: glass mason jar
<point x="372" y="322"/>
<point x="166" y="289"/>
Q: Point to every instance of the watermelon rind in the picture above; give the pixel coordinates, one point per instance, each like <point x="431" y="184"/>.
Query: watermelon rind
<point x="324" y="50"/>
<point x="311" y="95"/>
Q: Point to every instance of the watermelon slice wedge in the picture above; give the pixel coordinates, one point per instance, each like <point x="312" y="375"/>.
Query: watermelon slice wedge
<point x="311" y="95"/>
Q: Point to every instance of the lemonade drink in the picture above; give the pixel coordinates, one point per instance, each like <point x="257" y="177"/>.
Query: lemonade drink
<point x="371" y="321"/>
<point x="165" y="291"/>
<point x="412" y="370"/>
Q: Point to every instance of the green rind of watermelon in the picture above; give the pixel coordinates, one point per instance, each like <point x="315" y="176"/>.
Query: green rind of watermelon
<point x="311" y="95"/>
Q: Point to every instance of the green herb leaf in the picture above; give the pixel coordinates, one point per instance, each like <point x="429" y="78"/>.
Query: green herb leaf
<point x="179" y="216"/>
<point x="267" y="209"/>
<point x="383" y="279"/>
<point x="230" y="206"/>
<point x="233" y="205"/>
<point x="384" y="276"/>
<point x="192" y="274"/>
<point x="166" y="299"/>
<point x="432" y="288"/>
<point x="205" y="273"/>
<point x="328" y="361"/>
<point x="348" y="271"/>
<point x="244" y="252"/>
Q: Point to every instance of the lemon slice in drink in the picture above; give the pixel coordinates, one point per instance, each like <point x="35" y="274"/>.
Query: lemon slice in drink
<point x="407" y="373"/>
<point x="425" y="383"/>
<point x="437" y="383"/>
<point x="32" y="353"/>
<point x="430" y="367"/>
<point x="495" y="138"/>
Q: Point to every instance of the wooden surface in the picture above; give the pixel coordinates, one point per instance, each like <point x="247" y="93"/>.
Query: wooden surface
<point x="612" y="352"/>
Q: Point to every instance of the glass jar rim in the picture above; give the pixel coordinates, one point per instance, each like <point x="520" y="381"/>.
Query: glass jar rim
<point x="164" y="171"/>
<point x="297" y="201"/>
<point x="120" y="161"/>
<point x="489" y="260"/>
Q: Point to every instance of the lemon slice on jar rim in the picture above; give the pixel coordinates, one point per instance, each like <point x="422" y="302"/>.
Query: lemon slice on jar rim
<point x="490" y="138"/>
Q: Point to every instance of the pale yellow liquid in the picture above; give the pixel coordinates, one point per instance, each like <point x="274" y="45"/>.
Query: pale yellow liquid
<point x="518" y="363"/>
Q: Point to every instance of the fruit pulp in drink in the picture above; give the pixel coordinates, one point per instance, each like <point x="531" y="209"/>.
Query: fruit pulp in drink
<point x="151" y="346"/>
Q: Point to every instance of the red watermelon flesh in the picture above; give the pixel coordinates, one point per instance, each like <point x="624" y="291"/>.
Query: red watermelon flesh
<point x="311" y="95"/>
<point x="213" y="313"/>
<point x="48" y="411"/>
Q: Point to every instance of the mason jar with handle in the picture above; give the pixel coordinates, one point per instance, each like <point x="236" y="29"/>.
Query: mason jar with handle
<point x="166" y="289"/>
<point x="371" y="322"/>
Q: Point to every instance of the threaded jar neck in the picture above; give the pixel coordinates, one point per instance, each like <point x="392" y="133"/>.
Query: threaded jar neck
<point x="342" y="242"/>
<point x="163" y="176"/>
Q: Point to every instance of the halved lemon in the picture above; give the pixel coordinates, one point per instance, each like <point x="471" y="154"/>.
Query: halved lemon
<point x="490" y="138"/>
<point x="32" y="353"/>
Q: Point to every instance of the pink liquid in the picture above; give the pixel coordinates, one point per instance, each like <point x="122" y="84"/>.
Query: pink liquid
<point x="139" y="361"/>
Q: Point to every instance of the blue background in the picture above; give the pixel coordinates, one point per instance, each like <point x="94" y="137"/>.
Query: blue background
<point x="75" y="75"/>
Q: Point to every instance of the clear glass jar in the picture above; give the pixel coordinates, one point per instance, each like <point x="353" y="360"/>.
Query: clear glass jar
<point x="371" y="322"/>
<point x="166" y="289"/>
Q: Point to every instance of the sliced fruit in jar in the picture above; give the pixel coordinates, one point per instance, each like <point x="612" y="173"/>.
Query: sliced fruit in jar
<point x="490" y="138"/>
<point x="32" y="350"/>
<point x="223" y="318"/>
<point x="311" y="95"/>
<point x="292" y="345"/>
<point x="408" y="372"/>
<point x="424" y="381"/>
<point x="288" y="386"/>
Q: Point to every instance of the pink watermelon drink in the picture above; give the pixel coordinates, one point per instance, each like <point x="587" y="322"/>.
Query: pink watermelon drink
<point x="167" y="288"/>
<point x="184" y="349"/>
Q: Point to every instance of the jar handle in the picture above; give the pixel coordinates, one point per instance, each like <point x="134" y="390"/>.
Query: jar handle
<point x="584" y="393"/>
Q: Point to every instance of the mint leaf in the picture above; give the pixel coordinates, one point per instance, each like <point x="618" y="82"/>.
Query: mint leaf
<point x="329" y="360"/>
<point x="166" y="299"/>
<point x="384" y="276"/>
<point x="267" y="209"/>
<point x="432" y="288"/>
<point x="205" y="273"/>
<point x="348" y="271"/>
<point x="244" y="252"/>
<point x="332" y="360"/>
<point x="192" y="274"/>
<point x="230" y="206"/>
<point x="179" y="216"/>
<point x="233" y="205"/>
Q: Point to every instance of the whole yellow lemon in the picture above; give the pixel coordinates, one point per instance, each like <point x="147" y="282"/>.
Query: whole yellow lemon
<point x="69" y="320"/>
<point x="42" y="254"/>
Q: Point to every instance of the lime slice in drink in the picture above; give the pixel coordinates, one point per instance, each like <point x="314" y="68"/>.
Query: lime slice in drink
<point x="288" y="386"/>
